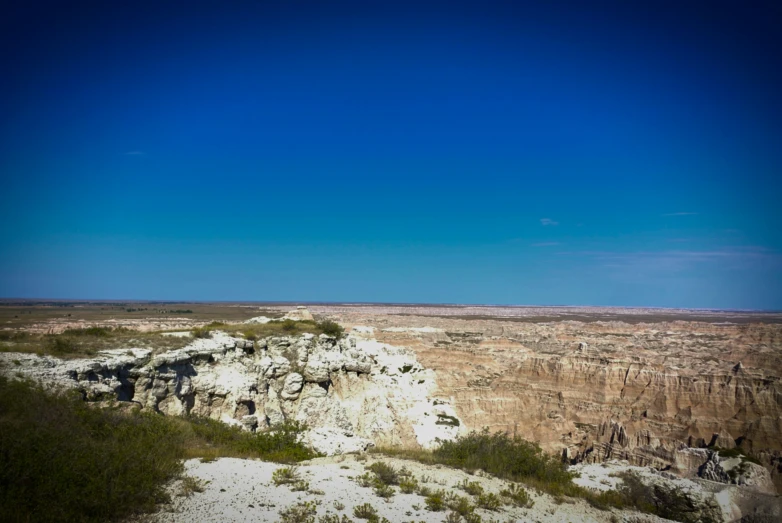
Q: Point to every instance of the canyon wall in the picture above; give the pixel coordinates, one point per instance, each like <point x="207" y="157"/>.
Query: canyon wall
<point x="643" y="393"/>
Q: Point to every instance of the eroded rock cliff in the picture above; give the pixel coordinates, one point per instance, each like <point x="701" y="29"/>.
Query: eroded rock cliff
<point x="351" y="393"/>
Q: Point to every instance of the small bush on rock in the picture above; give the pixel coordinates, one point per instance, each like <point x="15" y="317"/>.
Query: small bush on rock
<point x="386" y="473"/>
<point x="435" y="501"/>
<point x="517" y="495"/>
<point x="408" y="485"/>
<point x="189" y="486"/>
<point x="471" y="487"/>
<point x="382" y="490"/>
<point x="285" y="476"/>
<point x="459" y="504"/>
<point x="366" y="480"/>
<point x="365" y="511"/>
<point x="331" y="328"/>
<point x="506" y="457"/>
<point x="302" y="512"/>
<point x="489" y="501"/>
<point x="333" y="518"/>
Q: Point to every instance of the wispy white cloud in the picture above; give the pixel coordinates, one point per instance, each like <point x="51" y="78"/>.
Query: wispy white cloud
<point x="682" y="259"/>
<point x="681" y="214"/>
<point x="548" y="221"/>
<point x="546" y="244"/>
<point x="135" y="153"/>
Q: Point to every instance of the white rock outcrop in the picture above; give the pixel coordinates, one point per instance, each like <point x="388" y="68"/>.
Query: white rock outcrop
<point x="300" y="313"/>
<point x="351" y="393"/>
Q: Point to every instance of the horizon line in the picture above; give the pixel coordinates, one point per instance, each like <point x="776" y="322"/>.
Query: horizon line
<point x="349" y="303"/>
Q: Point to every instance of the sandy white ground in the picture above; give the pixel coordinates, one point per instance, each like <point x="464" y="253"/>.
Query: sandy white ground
<point x="242" y="490"/>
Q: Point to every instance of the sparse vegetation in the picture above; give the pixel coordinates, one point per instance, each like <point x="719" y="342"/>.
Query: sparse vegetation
<point x="435" y="501"/>
<point x="365" y="480"/>
<point x="506" y="457"/>
<point x="736" y="452"/>
<point x="383" y="491"/>
<point x="459" y="504"/>
<point x="385" y="473"/>
<point x="333" y="518"/>
<point x="190" y="486"/>
<point x="79" y="343"/>
<point x="214" y="438"/>
<point x="365" y="511"/>
<point x="471" y="487"/>
<point x="331" y="328"/>
<point x="302" y="512"/>
<point x="286" y="327"/>
<point x="517" y="496"/>
<point x="408" y="485"/>
<point x="61" y="460"/>
<point x="285" y="476"/>
<point x="445" y="419"/>
<point x="489" y="501"/>
<point x="664" y="501"/>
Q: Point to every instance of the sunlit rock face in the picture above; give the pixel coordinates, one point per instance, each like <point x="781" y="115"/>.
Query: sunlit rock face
<point x="351" y="393"/>
<point x="645" y="393"/>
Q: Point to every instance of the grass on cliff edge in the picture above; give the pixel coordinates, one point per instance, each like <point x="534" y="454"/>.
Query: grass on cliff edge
<point x="86" y="342"/>
<point x="254" y="331"/>
<point x="515" y="459"/>
<point x="63" y="460"/>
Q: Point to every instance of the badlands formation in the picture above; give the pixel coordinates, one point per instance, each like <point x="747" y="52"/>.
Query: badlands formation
<point x="633" y="389"/>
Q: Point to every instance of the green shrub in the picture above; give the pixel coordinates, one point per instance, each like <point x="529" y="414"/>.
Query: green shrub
<point x="459" y="504"/>
<point x="517" y="495"/>
<point x="280" y="444"/>
<point x="506" y="457"/>
<point x="61" y="460"/>
<point x="302" y="512"/>
<point x="62" y="345"/>
<point x="300" y="486"/>
<point x="386" y="473"/>
<point x="366" y="480"/>
<point x="99" y="332"/>
<point x="285" y="476"/>
<point x="382" y="490"/>
<point x="664" y="501"/>
<point x="423" y="490"/>
<point x="189" y="486"/>
<point x="435" y="501"/>
<point x="489" y="501"/>
<point x="471" y="487"/>
<point x="365" y="511"/>
<point x="408" y="485"/>
<point x="202" y="332"/>
<point x="333" y="518"/>
<point x="331" y="328"/>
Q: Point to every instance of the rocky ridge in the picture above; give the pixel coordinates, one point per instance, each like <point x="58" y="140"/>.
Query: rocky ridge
<point x="351" y="393"/>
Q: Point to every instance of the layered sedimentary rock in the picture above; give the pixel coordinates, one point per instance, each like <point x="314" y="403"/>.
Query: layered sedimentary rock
<point x="645" y="393"/>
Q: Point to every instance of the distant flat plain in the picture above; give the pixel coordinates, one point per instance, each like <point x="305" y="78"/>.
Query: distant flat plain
<point x="25" y="314"/>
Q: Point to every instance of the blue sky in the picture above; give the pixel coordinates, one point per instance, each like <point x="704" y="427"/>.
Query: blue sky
<point x="625" y="153"/>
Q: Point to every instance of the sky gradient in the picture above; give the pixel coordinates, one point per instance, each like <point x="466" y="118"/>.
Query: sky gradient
<point x="625" y="153"/>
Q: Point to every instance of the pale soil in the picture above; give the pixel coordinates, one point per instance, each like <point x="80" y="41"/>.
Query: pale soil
<point x="242" y="490"/>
